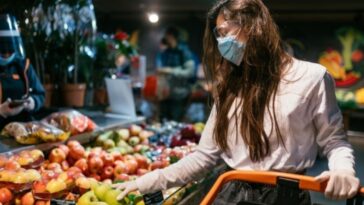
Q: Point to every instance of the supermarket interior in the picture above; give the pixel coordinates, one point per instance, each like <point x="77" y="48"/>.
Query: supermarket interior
<point x="119" y="102"/>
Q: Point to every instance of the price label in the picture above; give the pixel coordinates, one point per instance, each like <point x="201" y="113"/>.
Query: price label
<point x="62" y="202"/>
<point x="153" y="199"/>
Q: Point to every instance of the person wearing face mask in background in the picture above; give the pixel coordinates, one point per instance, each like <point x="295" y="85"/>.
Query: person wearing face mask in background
<point x="176" y="64"/>
<point x="271" y="112"/>
<point x="21" y="92"/>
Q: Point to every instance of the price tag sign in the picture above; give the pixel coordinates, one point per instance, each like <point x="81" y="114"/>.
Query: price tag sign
<point x="62" y="202"/>
<point x="153" y="199"/>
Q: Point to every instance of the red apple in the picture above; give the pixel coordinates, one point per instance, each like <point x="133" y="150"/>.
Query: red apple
<point x="57" y="155"/>
<point x="108" y="159"/>
<point x="135" y="130"/>
<point x="122" y="177"/>
<point x="54" y="166"/>
<point x="142" y="161"/>
<point x="120" y="168"/>
<point x="141" y="172"/>
<point x="74" y="171"/>
<point x="5" y="195"/>
<point x="117" y="156"/>
<point x="95" y="164"/>
<point x="107" y="173"/>
<point x="93" y="154"/>
<point x="96" y="150"/>
<point x="73" y="143"/>
<point x="65" y="149"/>
<point x="77" y="152"/>
<point x="28" y="199"/>
<point x="132" y="165"/>
<point x="71" y="161"/>
<point x="156" y="165"/>
<point x="12" y="165"/>
<point x="129" y="157"/>
<point x="65" y="166"/>
<point x="82" y="165"/>
<point x="39" y="187"/>
<point x="95" y="176"/>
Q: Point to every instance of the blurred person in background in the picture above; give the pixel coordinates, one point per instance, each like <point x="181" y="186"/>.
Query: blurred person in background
<point x="271" y="112"/>
<point x="176" y="64"/>
<point x="21" y="92"/>
<point x="122" y="64"/>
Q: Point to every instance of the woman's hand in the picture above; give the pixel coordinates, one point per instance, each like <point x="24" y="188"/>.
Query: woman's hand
<point x="341" y="184"/>
<point x="126" y="187"/>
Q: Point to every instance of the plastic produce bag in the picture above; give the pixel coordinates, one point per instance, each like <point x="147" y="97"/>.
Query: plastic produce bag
<point x="34" y="132"/>
<point x="71" y="121"/>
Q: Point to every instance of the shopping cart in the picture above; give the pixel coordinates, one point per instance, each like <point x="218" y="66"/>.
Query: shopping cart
<point x="289" y="185"/>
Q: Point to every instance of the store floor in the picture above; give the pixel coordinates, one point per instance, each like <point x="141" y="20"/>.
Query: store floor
<point x="321" y="165"/>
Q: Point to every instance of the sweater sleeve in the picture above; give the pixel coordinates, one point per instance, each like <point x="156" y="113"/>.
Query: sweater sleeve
<point x="328" y="120"/>
<point x="187" y="169"/>
<point x="38" y="93"/>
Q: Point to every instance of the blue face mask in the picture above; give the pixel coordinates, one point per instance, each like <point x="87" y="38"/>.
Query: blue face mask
<point x="231" y="49"/>
<point x="8" y="60"/>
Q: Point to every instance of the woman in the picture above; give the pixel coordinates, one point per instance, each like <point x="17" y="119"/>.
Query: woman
<point x="271" y="112"/>
<point x="21" y="92"/>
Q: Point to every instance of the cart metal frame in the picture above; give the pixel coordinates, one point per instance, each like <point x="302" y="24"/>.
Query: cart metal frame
<point x="288" y="186"/>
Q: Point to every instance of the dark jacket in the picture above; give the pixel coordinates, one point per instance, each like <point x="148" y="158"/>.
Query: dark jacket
<point x="13" y="79"/>
<point x="181" y="62"/>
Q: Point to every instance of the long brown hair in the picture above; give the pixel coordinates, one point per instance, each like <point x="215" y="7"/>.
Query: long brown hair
<point x="255" y="81"/>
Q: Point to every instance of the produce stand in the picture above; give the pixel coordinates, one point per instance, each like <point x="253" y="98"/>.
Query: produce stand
<point x="10" y="148"/>
<point x="104" y="123"/>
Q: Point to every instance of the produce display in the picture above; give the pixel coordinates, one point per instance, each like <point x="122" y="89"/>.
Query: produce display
<point x="84" y="174"/>
<point x="33" y="132"/>
<point x="71" y="121"/>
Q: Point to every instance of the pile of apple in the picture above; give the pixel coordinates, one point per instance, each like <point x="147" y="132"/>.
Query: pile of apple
<point x="125" y="141"/>
<point x="104" y="194"/>
<point x="73" y="172"/>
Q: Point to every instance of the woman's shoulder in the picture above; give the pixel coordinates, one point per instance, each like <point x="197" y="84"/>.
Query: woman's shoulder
<point x="305" y="69"/>
<point x="302" y="76"/>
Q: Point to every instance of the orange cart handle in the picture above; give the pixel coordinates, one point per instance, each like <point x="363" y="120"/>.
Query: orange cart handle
<point x="264" y="177"/>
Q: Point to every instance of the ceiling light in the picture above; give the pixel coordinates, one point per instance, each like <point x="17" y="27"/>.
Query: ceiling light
<point x="153" y="17"/>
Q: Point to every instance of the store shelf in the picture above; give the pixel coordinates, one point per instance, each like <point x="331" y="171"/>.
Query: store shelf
<point x="104" y="122"/>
